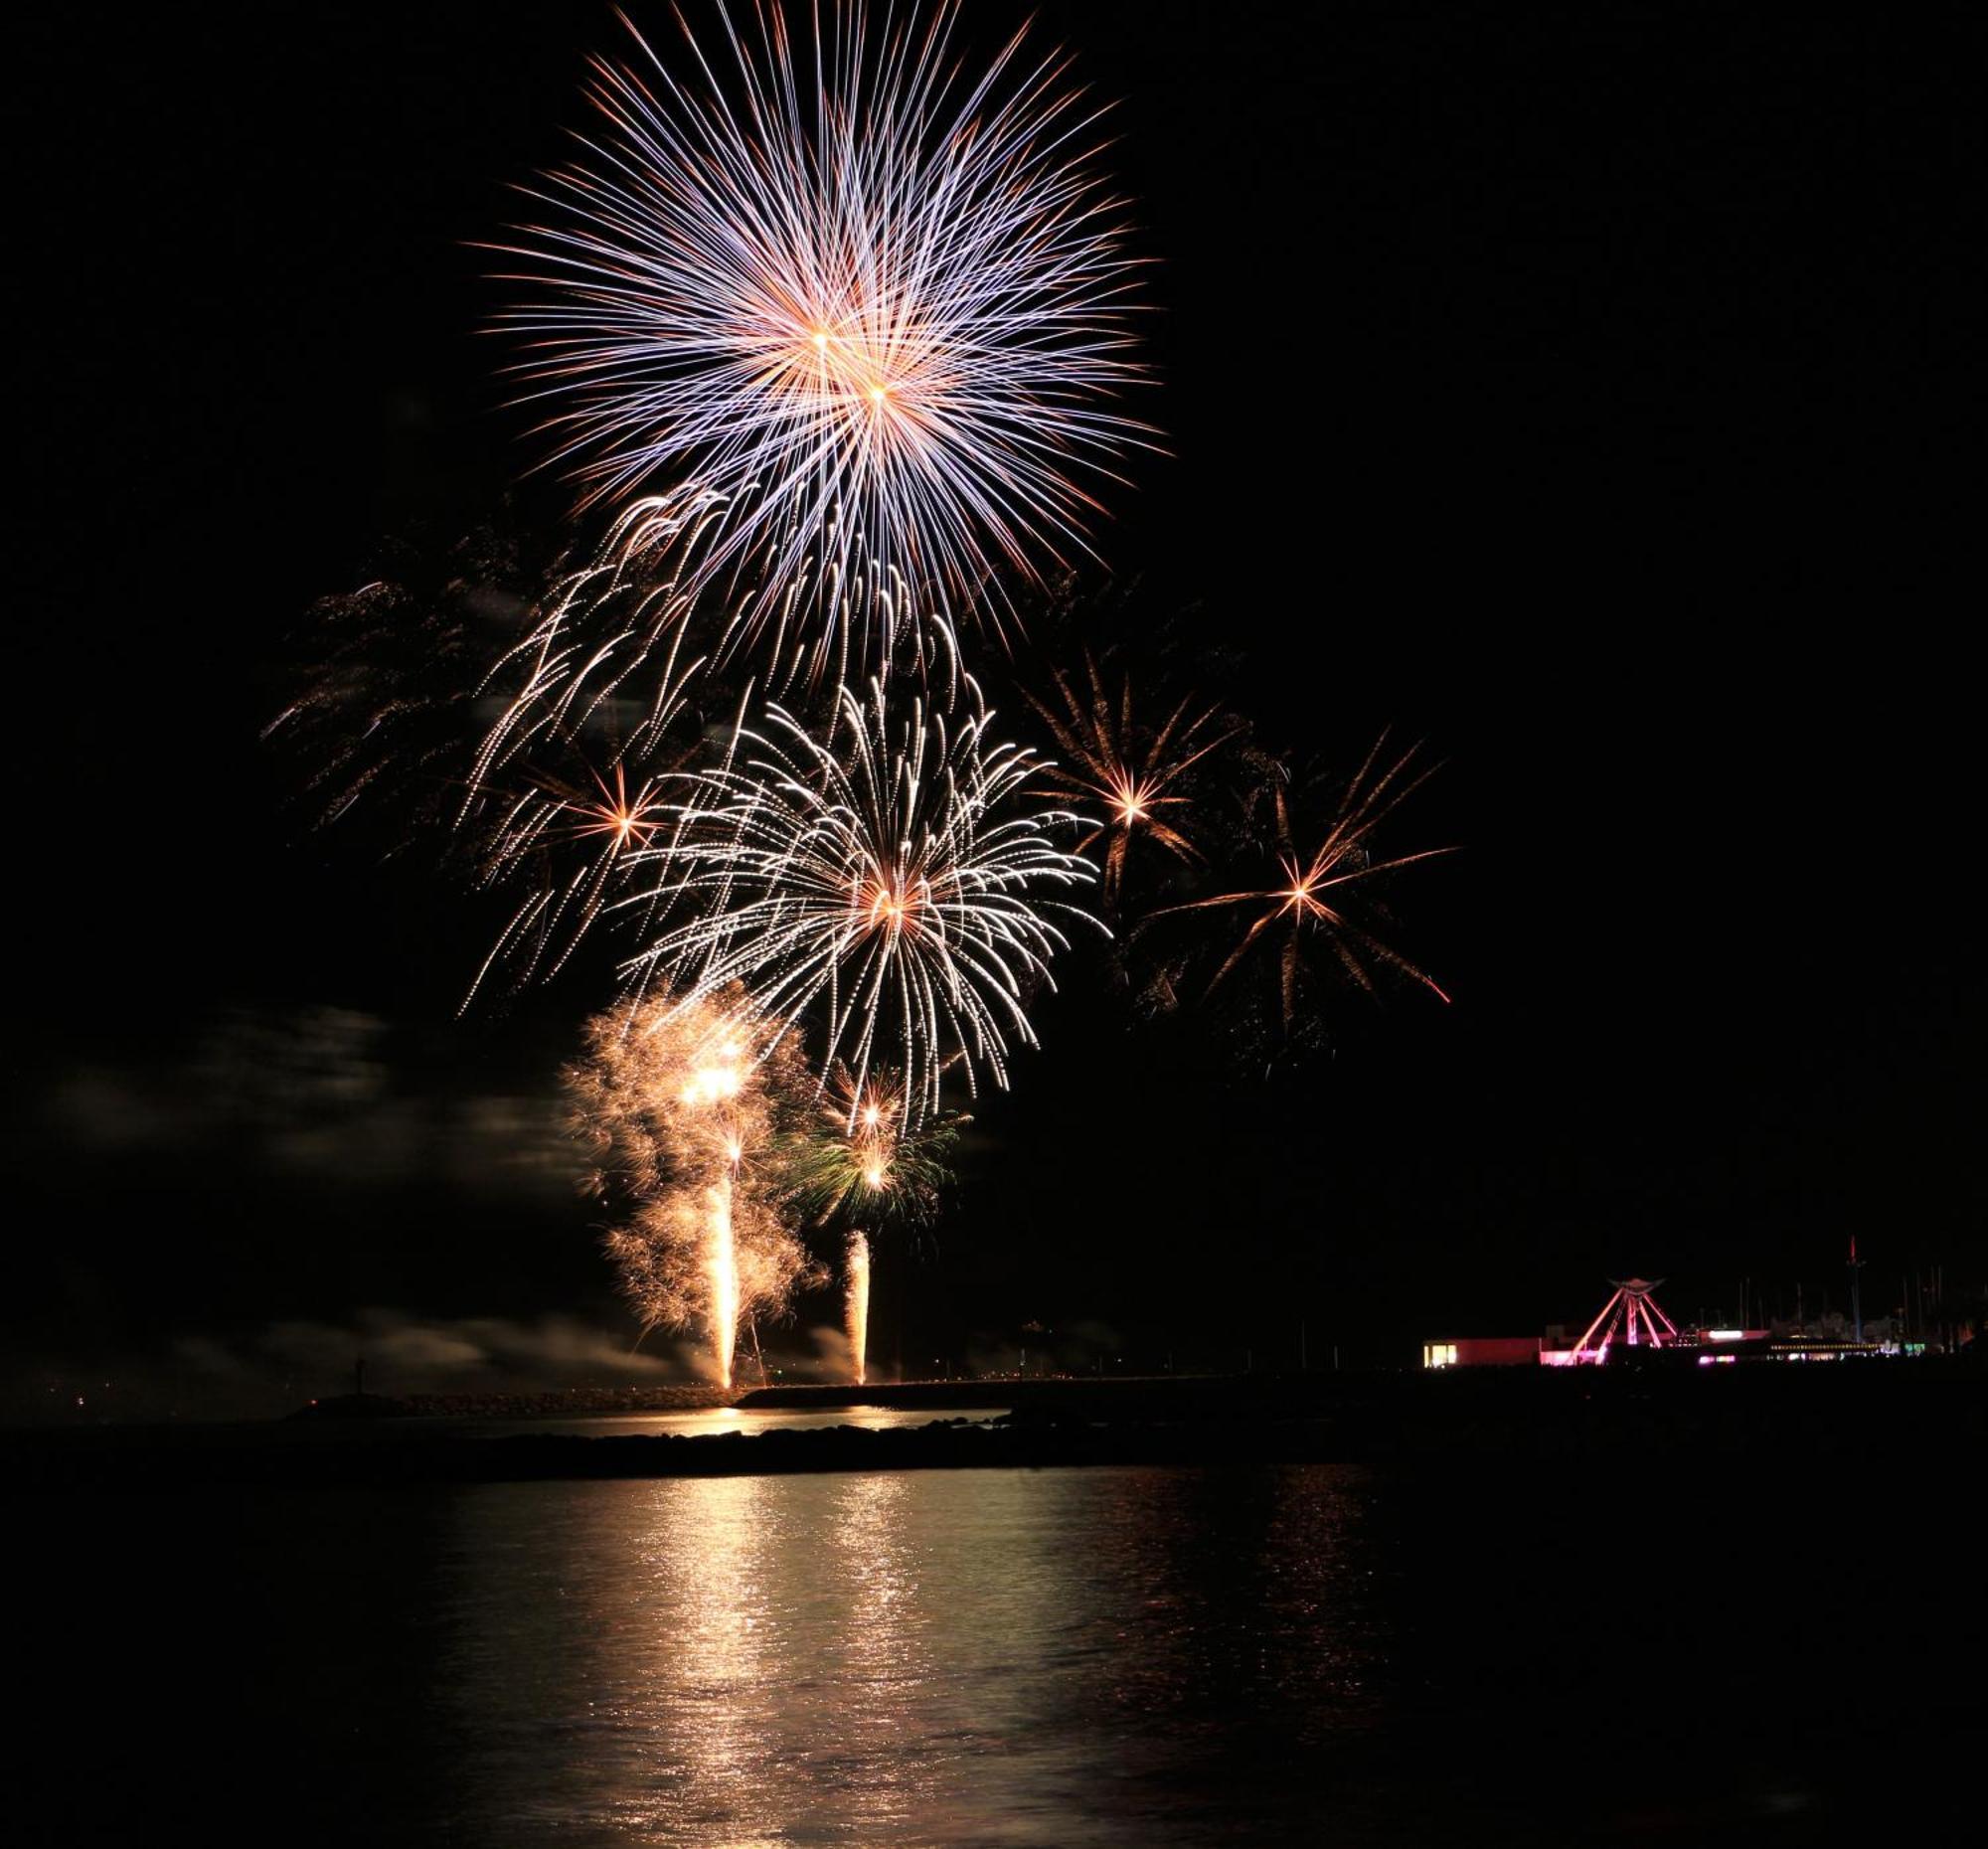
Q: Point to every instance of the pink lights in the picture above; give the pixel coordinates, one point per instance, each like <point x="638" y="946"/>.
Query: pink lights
<point x="1631" y="1315"/>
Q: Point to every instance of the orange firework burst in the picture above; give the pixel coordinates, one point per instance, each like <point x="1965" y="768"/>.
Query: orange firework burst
<point x="617" y="819"/>
<point x="1324" y="899"/>
<point x="1137" y="771"/>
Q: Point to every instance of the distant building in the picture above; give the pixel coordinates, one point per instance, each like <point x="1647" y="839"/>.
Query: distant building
<point x="1633" y="1327"/>
<point x="1483" y="1351"/>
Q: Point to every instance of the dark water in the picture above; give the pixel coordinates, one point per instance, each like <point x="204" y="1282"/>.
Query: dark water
<point x="1110" y="1656"/>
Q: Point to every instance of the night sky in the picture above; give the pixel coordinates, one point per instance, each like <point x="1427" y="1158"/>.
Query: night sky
<point x="1597" y="396"/>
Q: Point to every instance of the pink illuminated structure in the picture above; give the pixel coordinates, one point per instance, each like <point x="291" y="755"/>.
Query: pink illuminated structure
<point x="1631" y="1315"/>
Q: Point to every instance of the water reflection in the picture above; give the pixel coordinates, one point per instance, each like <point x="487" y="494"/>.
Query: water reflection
<point x="702" y="1642"/>
<point x="963" y="1657"/>
<point x="980" y="1658"/>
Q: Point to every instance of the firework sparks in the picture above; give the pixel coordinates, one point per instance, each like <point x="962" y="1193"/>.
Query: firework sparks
<point x="1320" y="899"/>
<point x="604" y="657"/>
<point x="874" y="876"/>
<point x="857" y="1305"/>
<point x="567" y="777"/>
<point x="385" y="676"/>
<point x="851" y="325"/>
<point x="571" y="729"/>
<point x="616" y="820"/>
<point x="565" y="844"/>
<point x="1136" y="773"/>
<point x="680" y="1101"/>
<point x="869" y="1159"/>
<point x="869" y="1167"/>
<point x="873" y="309"/>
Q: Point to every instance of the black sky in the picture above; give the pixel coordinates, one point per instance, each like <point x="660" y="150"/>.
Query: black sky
<point x="1597" y="395"/>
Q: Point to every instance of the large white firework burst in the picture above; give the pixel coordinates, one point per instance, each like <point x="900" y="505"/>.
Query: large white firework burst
<point x="874" y="308"/>
<point x="878" y="890"/>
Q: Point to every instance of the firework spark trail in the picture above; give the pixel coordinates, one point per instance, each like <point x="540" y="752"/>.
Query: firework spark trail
<point x="856" y="1308"/>
<point x="722" y="1275"/>
<point x="566" y="776"/>
<point x="875" y="876"/>
<point x="622" y="612"/>
<point x="590" y="722"/>
<point x="570" y="729"/>
<point x="872" y="307"/>
<point x="385" y="681"/>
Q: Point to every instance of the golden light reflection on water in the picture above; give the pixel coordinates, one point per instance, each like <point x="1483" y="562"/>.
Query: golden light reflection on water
<point x="706" y="1554"/>
<point x="959" y="1656"/>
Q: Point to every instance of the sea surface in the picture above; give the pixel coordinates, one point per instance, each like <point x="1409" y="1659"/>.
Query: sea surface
<point x="1108" y="1656"/>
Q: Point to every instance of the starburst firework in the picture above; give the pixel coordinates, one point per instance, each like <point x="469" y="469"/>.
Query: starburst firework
<point x="883" y="880"/>
<point x="590" y="711"/>
<point x="1132" y="771"/>
<point x="1324" y="900"/>
<point x="871" y="311"/>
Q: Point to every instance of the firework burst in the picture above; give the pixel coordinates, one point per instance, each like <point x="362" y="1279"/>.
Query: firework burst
<point x="884" y="880"/>
<point x="868" y="1161"/>
<point x="1135" y="773"/>
<point x="681" y="1102"/>
<point x="872" y="310"/>
<point x="867" y="1165"/>
<point x="1325" y="903"/>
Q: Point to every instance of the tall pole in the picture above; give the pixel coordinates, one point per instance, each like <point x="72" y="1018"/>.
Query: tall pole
<point x="1855" y="1300"/>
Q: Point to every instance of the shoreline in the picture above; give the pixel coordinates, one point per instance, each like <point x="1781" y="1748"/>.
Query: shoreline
<point x="1871" y="1412"/>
